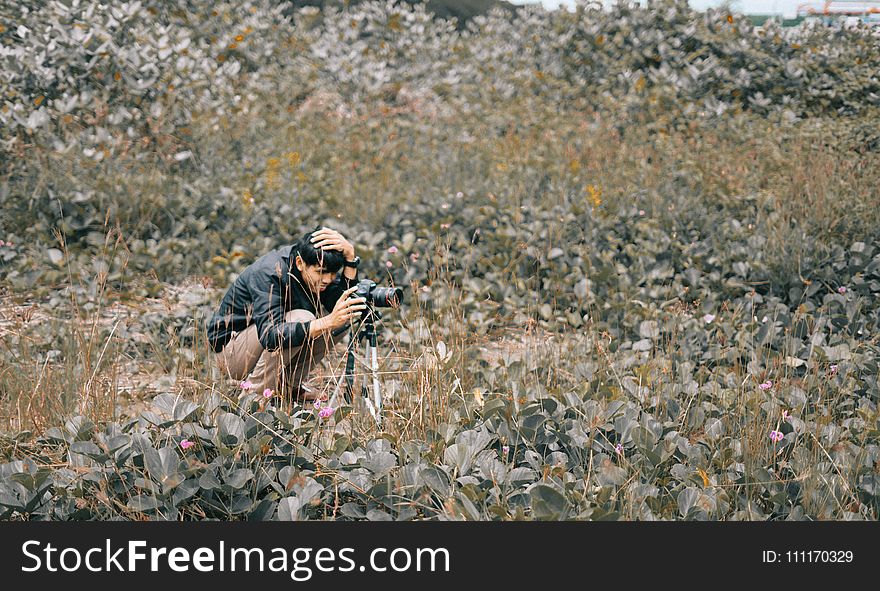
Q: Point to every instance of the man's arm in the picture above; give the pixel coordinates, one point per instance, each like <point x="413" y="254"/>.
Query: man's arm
<point x="266" y="292"/>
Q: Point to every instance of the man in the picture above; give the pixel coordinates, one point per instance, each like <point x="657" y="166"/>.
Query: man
<point x="273" y="323"/>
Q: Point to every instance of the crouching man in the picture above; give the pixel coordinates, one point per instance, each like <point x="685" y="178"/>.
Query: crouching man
<point x="277" y="318"/>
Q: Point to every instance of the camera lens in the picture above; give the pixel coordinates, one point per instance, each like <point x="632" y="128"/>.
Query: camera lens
<point x="386" y="297"/>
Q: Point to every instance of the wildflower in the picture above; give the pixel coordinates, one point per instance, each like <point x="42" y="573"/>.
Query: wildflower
<point x="776" y="436"/>
<point x="833" y="368"/>
<point x="641" y="212"/>
<point x="444" y="206"/>
<point x="186" y="444"/>
<point x="459" y="195"/>
<point x="246" y="385"/>
<point x="267" y="393"/>
<point x="709" y="318"/>
<point x="317" y="404"/>
<point x="618" y="448"/>
<point x="326" y="412"/>
<point x="444" y="226"/>
<point x="414" y="256"/>
<point x="2" y="243"/>
<point x="595" y="195"/>
<point x="841" y="289"/>
<point x="389" y="264"/>
<point x="785" y="415"/>
<point x="392" y="249"/>
<point x="505" y="449"/>
<point x="766" y="385"/>
<point x="425" y="289"/>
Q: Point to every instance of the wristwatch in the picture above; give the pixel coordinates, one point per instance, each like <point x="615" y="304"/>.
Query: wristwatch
<point x="353" y="263"/>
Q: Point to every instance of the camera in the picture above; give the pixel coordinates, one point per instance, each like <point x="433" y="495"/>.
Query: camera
<point x="380" y="297"/>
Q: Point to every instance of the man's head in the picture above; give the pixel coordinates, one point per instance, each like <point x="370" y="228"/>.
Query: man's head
<point x="317" y="267"/>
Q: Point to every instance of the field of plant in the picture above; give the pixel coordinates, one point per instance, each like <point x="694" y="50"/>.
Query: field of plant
<point x="640" y="249"/>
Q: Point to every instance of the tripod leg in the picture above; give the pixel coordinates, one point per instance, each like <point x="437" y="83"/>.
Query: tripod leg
<point x="370" y="400"/>
<point x="377" y="396"/>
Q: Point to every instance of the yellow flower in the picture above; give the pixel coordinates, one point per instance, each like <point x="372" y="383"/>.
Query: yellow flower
<point x="272" y="173"/>
<point x="292" y="158"/>
<point x="595" y="194"/>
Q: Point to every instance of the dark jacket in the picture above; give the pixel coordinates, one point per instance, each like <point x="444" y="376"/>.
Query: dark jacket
<point x="270" y="287"/>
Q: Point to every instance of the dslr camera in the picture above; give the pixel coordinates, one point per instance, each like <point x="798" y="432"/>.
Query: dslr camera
<point x="379" y="297"/>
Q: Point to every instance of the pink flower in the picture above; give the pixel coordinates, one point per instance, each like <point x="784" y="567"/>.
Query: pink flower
<point x="766" y="385"/>
<point x="618" y="448"/>
<point x="833" y="368"/>
<point x="267" y="393"/>
<point x="2" y="243"/>
<point x="389" y="264"/>
<point x="425" y="289"/>
<point x="414" y="256"/>
<point x="444" y="226"/>
<point x="326" y="412"/>
<point x="392" y="250"/>
<point x="776" y="436"/>
<point x="505" y="449"/>
<point x="785" y="415"/>
<point x="459" y="195"/>
<point x="841" y="289"/>
<point x="317" y="403"/>
<point x="709" y="318"/>
<point x="186" y="444"/>
<point x="641" y="212"/>
<point x="246" y="385"/>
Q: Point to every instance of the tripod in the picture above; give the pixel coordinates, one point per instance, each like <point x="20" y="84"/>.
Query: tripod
<point x="367" y="332"/>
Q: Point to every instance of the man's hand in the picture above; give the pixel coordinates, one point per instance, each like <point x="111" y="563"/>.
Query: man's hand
<point x="344" y="312"/>
<point x="327" y="239"/>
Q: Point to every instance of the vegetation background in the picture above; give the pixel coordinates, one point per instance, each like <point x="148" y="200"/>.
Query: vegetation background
<point x="639" y="248"/>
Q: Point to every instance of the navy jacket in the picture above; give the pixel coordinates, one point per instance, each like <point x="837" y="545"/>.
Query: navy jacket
<point x="270" y="287"/>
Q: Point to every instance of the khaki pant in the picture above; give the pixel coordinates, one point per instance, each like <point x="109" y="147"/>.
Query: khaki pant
<point x="283" y="370"/>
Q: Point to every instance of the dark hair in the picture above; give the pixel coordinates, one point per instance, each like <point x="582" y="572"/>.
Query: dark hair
<point x="329" y="260"/>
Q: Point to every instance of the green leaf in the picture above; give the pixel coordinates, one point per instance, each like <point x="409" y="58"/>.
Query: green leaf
<point x="87" y="448"/>
<point x="379" y="463"/>
<point x="143" y="503"/>
<point x="185" y="490"/>
<point x="209" y="481"/>
<point x="610" y="474"/>
<point x="548" y="503"/>
<point x="353" y="510"/>
<point x="379" y="515"/>
<point x="289" y="509"/>
<point x="230" y="429"/>
<point x="184" y="410"/>
<point x="163" y="466"/>
<point x="238" y="478"/>
<point x="493" y="407"/>
<point x="436" y="479"/>
<point x="521" y="474"/>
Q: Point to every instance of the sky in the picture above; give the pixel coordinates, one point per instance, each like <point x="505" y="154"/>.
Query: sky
<point x="787" y="8"/>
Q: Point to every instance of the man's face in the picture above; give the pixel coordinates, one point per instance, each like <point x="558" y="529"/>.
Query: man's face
<point x="316" y="278"/>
